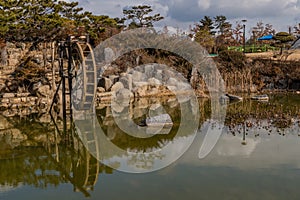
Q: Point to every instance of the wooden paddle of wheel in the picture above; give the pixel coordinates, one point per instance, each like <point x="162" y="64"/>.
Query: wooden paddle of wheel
<point x="84" y="83"/>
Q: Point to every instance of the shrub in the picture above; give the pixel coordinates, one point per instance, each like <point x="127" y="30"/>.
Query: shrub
<point x="232" y="59"/>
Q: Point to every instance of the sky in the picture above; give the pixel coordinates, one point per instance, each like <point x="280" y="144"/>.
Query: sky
<point x="184" y="13"/>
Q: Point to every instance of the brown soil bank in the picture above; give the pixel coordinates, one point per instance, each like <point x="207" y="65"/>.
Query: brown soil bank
<point x="245" y="74"/>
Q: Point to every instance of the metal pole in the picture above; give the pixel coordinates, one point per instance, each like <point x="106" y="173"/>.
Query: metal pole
<point x="244" y="134"/>
<point x="244" y="35"/>
<point x="244" y="40"/>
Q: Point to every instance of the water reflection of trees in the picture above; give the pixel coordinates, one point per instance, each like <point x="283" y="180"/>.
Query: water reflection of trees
<point x="49" y="163"/>
<point x="281" y="112"/>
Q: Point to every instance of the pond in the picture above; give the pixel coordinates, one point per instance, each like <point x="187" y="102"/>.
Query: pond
<point x="255" y="157"/>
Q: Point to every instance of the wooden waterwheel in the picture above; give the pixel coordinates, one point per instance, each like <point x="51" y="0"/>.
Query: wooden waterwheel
<point x="77" y="83"/>
<point x="83" y="70"/>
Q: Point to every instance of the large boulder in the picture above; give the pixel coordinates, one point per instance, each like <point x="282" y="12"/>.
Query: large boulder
<point x="138" y="76"/>
<point x="109" y="55"/>
<point x="154" y="82"/>
<point x="117" y="86"/>
<point x="123" y="94"/>
<point x="126" y="83"/>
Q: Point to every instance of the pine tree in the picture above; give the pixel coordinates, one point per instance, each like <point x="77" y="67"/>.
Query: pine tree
<point x="139" y="16"/>
<point x="38" y="20"/>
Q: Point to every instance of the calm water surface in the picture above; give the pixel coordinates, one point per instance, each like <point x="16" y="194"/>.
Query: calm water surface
<point x="257" y="157"/>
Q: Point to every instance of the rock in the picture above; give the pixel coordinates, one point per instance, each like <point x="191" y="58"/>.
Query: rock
<point x="23" y="94"/>
<point x="172" y="102"/>
<point x="111" y="132"/>
<point x="8" y="95"/>
<point x="173" y="89"/>
<point x="124" y="81"/>
<point x="130" y="82"/>
<point x="168" y="73"/>
<point x="109" y="55"/>
<point x="138" y="76"/>
<point x="105" y="83"/>
<point x="155" y="107"/>
<point x="139" y="84"/>
<point x="44" y="90"/>
<point x="100" y="90"/>
<point x="154" y="81"/>
<point x="5" y="105"/>
<point x="182" y="86"/>
<point x="149" y="70"/>
<point x="123" y="94"/>
<point x="159" y="75"/>
<point x="113" y="78"/>
<point x="4" y="124"/>
<point x="283" y="83"/>
<point x="108" y="121"/>
<point x="183" y="98"/>
<point x="117" y="86"/>
<point x="172" y="82"/>
<point x="16" y="101"/>
<point x="159" y="120"/>
<point x="36" y="86"/>
<point x="117" y="108"/>
<point x="5" y="100"/>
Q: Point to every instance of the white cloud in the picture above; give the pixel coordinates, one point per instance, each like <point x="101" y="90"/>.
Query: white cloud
<point x="186" y="12"/>
<point x="204" y="4"/>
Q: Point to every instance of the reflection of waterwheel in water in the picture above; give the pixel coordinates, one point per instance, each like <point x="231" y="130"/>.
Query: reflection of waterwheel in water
<point x="86" y="170"/>
<point x="83" y="70"/>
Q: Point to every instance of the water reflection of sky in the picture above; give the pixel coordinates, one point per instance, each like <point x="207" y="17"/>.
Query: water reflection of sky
<point x="263" y="151"/>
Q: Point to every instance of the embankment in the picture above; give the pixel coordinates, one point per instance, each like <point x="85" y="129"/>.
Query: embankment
<point x="29" y="76"/>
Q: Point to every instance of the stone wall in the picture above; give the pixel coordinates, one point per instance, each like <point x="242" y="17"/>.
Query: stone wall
<point x="22" y="104"/>
<point x="18" y="100"/>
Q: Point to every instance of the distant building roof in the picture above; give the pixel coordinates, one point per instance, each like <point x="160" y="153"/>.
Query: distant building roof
<point x="266" y="37"/>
